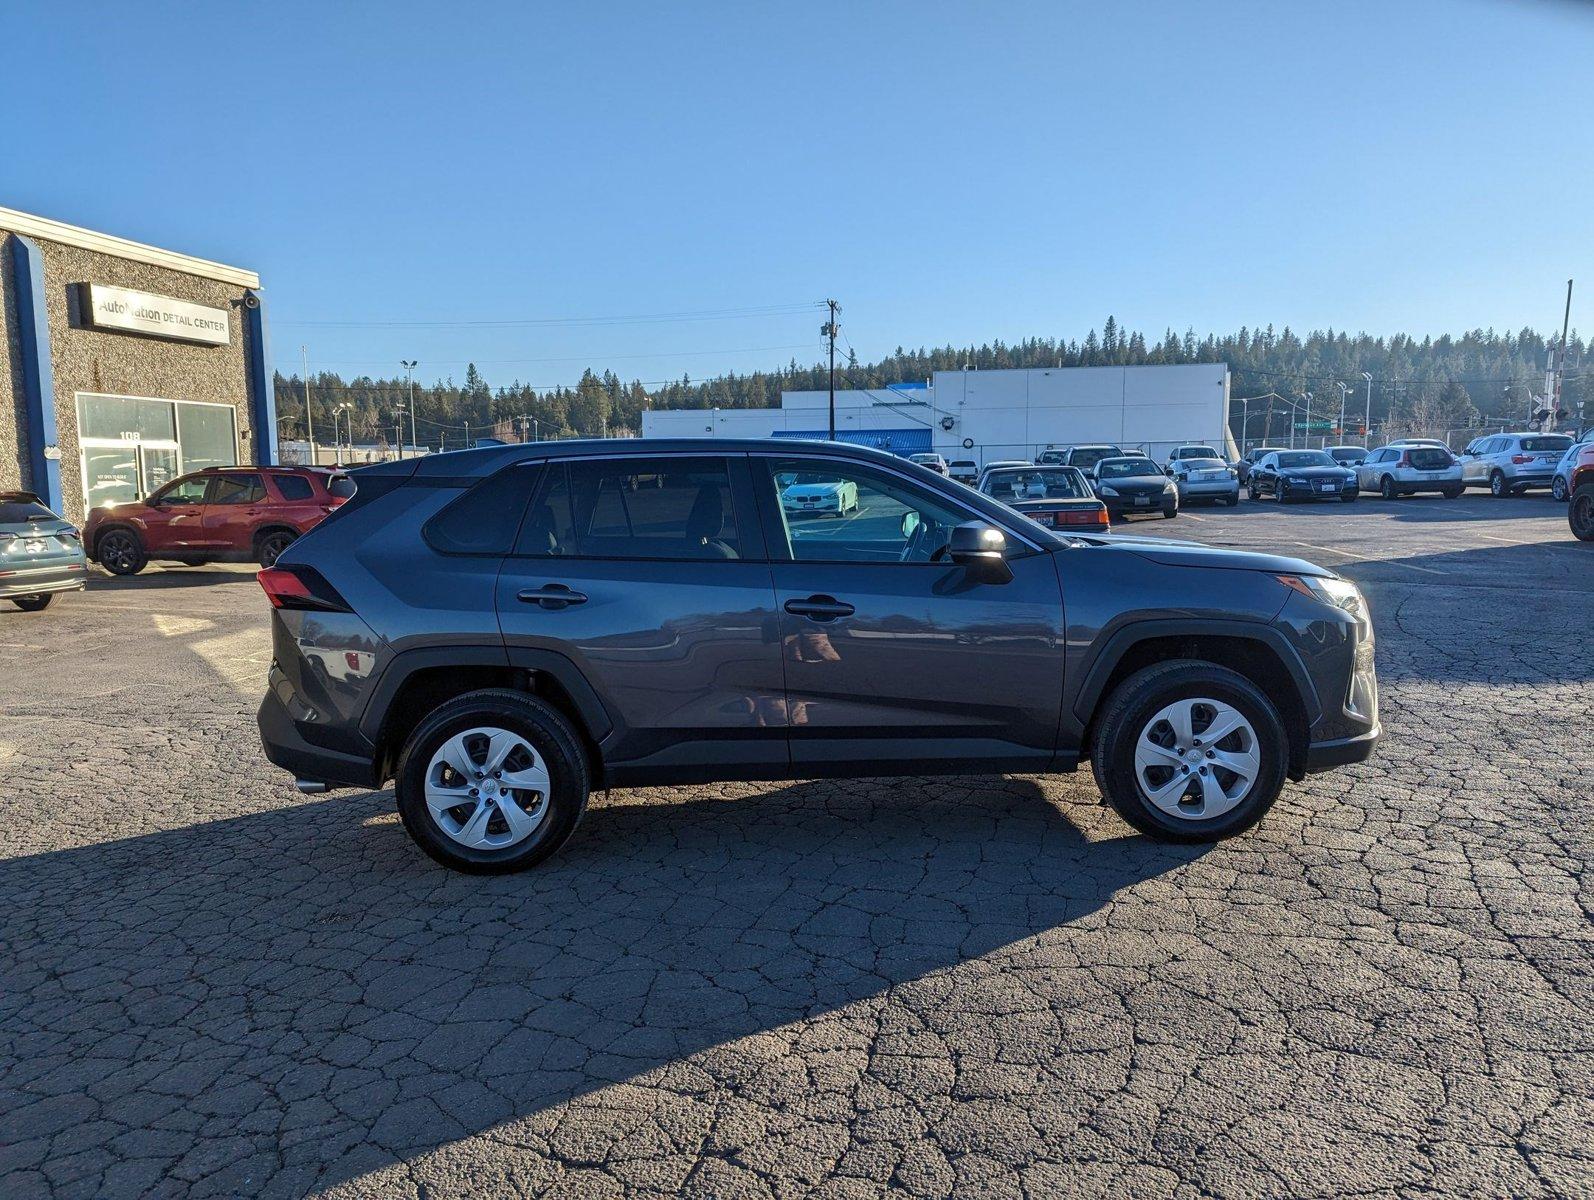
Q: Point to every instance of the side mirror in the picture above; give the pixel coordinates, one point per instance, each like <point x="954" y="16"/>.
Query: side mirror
<point x="982" y="549"/>
<point x="910" y="523"/>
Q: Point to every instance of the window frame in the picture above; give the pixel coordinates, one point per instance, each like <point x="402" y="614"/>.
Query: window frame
<point x="1021" y="543"/>
<point x="744" y="508"/>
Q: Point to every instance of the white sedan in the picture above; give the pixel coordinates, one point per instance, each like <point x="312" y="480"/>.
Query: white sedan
<point x="835" y="499"/>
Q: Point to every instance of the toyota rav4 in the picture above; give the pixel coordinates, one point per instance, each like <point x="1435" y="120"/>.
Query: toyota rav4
<point x="500" y="631"/>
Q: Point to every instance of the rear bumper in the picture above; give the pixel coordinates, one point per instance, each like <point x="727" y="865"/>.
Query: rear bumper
<point x="1325" y="756"/>
<point x="286" y="747"/>
<point x="1210" y="489"/>
<point x="34" y="581"/>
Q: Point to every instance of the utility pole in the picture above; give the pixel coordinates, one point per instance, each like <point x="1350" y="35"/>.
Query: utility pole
<point x="1245" y="421"/>
<point x="1307" y="438"/>
<point x="1560" y="361"/>
<point x="1267" y="423"/>
<point x="398" y="410"/>
<point x="829" y="330"/>
<point x="1367" y="422"/>
<point x="309" y="421"/>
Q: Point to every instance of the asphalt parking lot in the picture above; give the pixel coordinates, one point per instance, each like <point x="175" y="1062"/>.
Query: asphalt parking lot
<point x="210" y="985"/>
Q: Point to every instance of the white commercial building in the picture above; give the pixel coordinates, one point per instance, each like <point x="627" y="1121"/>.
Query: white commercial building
<point x="988" y="415"/>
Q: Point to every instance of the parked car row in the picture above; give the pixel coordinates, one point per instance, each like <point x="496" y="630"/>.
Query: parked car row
<point x="219" y="514"/>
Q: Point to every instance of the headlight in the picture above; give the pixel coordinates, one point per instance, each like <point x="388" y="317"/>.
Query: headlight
<point x="1107" y="491"/>
<point x="1341" y="593"/>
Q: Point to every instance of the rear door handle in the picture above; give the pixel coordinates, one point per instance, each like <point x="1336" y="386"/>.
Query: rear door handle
<point x="551" y="596"/>
<point x="820" y="608"/>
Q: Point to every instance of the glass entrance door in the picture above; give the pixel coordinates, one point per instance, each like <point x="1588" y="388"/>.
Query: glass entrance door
<point x="115" y="472"/>
<point x="157" y="465"/>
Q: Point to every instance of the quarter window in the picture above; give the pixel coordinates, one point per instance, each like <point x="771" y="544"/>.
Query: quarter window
<point x="485" y="519"/>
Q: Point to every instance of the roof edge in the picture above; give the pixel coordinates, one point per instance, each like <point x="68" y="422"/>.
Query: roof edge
<point x="104" y="243"/>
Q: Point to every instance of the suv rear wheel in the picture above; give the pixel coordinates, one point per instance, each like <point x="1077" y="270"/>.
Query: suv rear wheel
<point x="1190" y="751"/>
<point x="492" y="781"/>
<point x="1386" y="488"/>
<point x="120" y="552"/>
<point x="271" y="547"/>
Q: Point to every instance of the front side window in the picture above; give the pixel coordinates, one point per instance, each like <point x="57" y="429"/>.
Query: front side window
<point x="636" y="508"/>
<point x="846" y="512"/>
<point x="236" y="489"/>
<point x="184" y="491"/>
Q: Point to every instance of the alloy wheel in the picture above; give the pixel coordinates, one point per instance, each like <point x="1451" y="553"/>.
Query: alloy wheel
<point x="1558" y="489"/>
<point x="1581" y="517"/>
<point x="1197" y="759"/>
<point x="487" y="788"/>
<point x="118" y="551"/>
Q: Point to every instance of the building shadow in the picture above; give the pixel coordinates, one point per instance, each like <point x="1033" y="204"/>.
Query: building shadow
<point x="303" y="990"/>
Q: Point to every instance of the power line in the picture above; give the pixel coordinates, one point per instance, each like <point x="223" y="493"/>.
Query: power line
<point x="711" y="314"/>
<point x="494" y="362"/>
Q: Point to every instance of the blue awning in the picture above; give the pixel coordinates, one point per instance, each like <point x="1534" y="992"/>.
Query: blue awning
<point x="893" y="441"/>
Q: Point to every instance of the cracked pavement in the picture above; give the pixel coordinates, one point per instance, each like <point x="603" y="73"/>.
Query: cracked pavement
<point x="210" y="985"/>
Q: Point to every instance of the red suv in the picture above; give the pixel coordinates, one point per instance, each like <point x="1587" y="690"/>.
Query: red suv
<point x="1580" y="487"/>
<point x="220" y="514"/>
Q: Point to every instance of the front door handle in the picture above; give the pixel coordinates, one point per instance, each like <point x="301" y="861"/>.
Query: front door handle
<point x="820" y="608"/>
<point x="551" y="596"/>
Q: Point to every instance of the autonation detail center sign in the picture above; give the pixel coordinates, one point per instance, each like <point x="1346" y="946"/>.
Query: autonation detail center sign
<point x="159" y="316"/>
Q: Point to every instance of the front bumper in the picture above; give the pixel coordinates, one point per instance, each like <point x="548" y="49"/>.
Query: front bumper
<point x="34" y="581"/>
<point x="1325" y="756"/>
<point x="287" y="748"/>
<point x="1125" y="506"/>
<point x="1312" y="492"/>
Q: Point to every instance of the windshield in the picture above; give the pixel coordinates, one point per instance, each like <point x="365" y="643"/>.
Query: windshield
<point x="14" y="510"/>
<point x="1554" y="441"/>
<point x="1089" y="456"/>
<point x="1348" y="456"/>
<point x="1120" y="468"/>
<point x="1305" y="458"/>
<point x="1048" y="483"/>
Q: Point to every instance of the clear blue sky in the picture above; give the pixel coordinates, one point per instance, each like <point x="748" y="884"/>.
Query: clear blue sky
<point x="948" y="172"/>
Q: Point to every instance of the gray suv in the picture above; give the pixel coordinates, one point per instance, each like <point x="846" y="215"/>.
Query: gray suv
<point x="500" y="631"/>
<point x="1510" y="463"/>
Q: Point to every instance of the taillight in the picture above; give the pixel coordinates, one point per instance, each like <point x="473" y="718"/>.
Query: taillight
<point x="300" y="588"/>
<point x="1519" y="459"/>
<point x="1083" y="516"/>
<point x="1405" y="461"/>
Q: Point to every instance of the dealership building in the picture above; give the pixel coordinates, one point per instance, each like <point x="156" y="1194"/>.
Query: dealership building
<point x="123" y="365"/>
<point x="990" y="415"/>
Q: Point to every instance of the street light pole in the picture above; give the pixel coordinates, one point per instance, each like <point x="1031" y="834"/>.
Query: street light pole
<point x="1307" y="435"/>
<point x="309" y="419"/>
<point x="409" y="365"/>
<point x="1343" y="392"/>
<point x="398" y="428"/>
<point x="1367" y="421"/>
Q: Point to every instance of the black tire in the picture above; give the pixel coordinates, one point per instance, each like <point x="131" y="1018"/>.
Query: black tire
<point x="1137" y="699"/>
<point x="1498" y="488"/>
<point x="271" y="547"/>
<point x="1454" y="493"/>
<point x="1386" y="488"/>
<point x="121" y="552"/>
<point x="1348" y="497"/>
<point x="33" y="603"/>
<point x="1251" y="493"/>
<point x="1169" y="511"/>
<point x="1580" y="513"/>
<point x="549" y="733"/>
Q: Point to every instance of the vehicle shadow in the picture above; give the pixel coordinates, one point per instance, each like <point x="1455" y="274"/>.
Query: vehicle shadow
<point x="156" y="578"/>
<point x="302" y="990"/>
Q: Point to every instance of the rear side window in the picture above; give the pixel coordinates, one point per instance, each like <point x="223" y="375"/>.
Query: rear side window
<point x="293" y="487"/>
<point x="236" y="489"/>
<point x="485" y="519"/>
<point x="632" y="508"/>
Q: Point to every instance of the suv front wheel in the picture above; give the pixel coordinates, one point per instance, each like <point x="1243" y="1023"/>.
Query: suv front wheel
<point x="1189" y="751"/>
<point x="492" y="781"/>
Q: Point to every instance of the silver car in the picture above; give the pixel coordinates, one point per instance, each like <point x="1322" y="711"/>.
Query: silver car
<point x="1509" y="463"/>
<point x="40" y="554"/>
<point x="1406" y="468"/>
<point x="1560" y="482"/>
<point x="1200" y="474"/>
